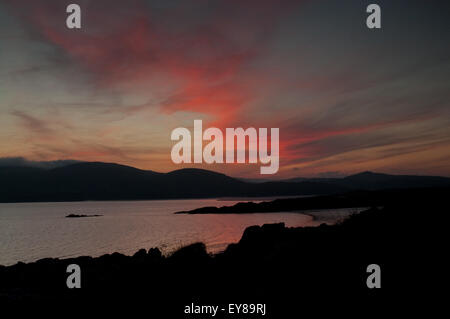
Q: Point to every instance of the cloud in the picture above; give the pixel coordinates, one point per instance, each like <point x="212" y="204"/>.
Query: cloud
<point x="32" y="123"/>
<point x="139" y="68"/>
<point x="193" y="57"/>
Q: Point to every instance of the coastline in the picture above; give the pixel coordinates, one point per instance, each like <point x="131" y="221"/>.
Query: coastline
<point x="268" y="262"/>
<point x="337" y="216"/>
<point x="349" y="200"/>
<point x="245" y="237"/>
<point x="265" y="262"/>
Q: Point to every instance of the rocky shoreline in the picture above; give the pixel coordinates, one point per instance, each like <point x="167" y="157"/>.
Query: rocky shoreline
<point x="271" y="264"/>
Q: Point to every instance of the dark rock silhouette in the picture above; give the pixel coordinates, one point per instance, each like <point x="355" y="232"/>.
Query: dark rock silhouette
<point x="82" y="215"/>
<point x="292" y="270"/>
<point x="190" y="254"/>
<point x="154" y="254"/>
<point x="140" y="254"/>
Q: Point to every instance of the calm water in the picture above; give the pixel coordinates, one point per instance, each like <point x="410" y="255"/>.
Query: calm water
<point x="30" y="231"/>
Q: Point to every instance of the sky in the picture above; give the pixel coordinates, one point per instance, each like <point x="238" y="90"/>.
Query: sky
<point x="345" y="98"/>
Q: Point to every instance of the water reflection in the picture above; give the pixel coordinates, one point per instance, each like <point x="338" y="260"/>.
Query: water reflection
<point x="30" y="231"/>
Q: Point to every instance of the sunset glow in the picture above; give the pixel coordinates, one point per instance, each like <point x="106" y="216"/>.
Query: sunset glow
<point x="344" y="98"/>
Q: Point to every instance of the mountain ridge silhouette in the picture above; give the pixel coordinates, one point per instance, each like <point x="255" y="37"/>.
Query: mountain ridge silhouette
<point x="111" y="181"/>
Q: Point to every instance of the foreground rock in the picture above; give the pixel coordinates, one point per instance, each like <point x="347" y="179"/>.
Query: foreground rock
<point x="290" y="269"/>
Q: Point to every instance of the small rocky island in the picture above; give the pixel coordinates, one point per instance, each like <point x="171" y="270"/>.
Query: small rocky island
<point x="82" y="215"/>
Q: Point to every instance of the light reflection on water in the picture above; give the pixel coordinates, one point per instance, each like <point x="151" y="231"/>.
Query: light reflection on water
<point x="30" y="231"/>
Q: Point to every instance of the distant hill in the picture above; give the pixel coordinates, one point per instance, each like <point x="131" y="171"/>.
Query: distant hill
<point x="108" y="181"/>
<point x="378" y="181"/>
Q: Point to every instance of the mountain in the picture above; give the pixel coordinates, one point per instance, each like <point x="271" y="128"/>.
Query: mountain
<point x="109" y="181"/>
<point x="377" y="181"/>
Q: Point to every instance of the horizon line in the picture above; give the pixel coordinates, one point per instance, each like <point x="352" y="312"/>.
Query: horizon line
<point x="52" y="164"/>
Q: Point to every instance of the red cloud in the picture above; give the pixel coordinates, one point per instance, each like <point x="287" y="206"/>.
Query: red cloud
<point x="196" y="59"/>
